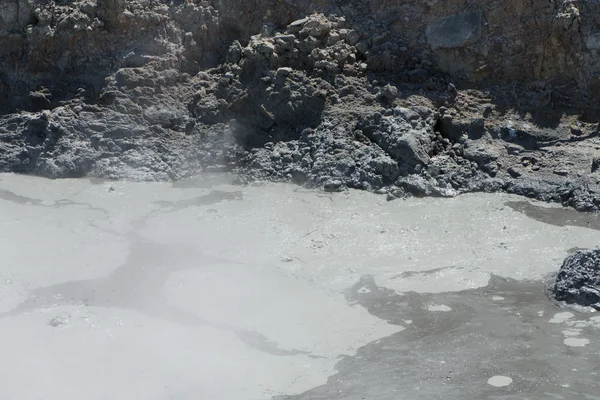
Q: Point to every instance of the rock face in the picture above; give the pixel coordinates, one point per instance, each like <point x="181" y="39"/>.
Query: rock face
<point x="396" y="96"/>
<point x="578" y="280"/>
<point x="455" y="31"/>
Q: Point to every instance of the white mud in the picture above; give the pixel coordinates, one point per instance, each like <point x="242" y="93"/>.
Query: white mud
<point x="158" y="291"/>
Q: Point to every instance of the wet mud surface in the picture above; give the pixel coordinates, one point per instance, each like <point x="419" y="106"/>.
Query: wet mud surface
<point x="254" y="293"/>
<point x="455" y="342"/>
<point x="557" y="216"/>
<point x="508" y="340"/>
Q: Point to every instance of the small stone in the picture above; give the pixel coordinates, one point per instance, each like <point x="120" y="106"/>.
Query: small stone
<point x="299" y="22"/>
<point x="333" y="185"/>
<point x="362" y="47"/>
<point x="390" y="92"/>
<point x="351" y="37"/>
<point x="576" y="131"/>
<point x="315" y="27"/>
<point x="513" y="149"/>
<point x="333" y="38"/>
<point x="513" y="172"/>
<point x="282" y="74"/>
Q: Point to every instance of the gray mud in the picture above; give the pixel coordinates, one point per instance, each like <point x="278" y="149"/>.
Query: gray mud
<point x="502" y="329"/>
<point x="161" y="291"/>
<point x="454" y="342"/>
<point x="557" y="216"/>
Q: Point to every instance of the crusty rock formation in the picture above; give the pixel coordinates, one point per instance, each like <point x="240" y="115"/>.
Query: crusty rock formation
<point x="578" y="280"/>
<point x="421" y="97"/>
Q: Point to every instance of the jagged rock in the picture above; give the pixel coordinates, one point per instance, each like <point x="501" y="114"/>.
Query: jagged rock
<point x="317" y="26"/>
<point x="578" y="280"/>
<point x="405" y="137"/>
<point x="390" y="92"/>
<point x="421" y="187"/>
<point x="161" y="90"/>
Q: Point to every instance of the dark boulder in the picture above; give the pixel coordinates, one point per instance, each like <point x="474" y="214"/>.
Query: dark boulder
<point x="578" y="280"/>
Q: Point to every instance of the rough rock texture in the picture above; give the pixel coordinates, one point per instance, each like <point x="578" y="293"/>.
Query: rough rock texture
<point x="455" y="31"/>
<point x="400" y="97"/>
<point x="578" y="280"/>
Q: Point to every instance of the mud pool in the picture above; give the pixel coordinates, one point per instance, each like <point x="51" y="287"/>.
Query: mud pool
<point x="202" y="289"/>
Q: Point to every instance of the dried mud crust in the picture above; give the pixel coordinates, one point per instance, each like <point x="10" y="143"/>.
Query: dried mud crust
<point x="162" y="90"/>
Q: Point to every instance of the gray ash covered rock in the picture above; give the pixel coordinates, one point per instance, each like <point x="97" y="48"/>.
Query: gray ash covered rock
<point x="578" y="280"/>
<point x="384" y="97"/>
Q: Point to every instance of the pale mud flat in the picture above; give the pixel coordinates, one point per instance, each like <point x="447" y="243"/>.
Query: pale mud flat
<point x="205" y="290"/>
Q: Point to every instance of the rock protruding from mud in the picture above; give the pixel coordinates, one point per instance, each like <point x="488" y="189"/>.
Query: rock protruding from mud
<point x="578" y="280"/>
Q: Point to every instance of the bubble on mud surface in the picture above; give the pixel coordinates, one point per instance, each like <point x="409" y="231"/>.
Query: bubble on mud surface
<point x="438" y="307"/>
<point x="499" y="381"/>
<point x="561" y="317"/>
<point x="576" y="342"/>
<point x="437" y="280"/>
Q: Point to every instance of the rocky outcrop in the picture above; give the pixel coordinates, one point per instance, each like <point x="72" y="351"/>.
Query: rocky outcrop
<point x="398" y="97"/>
<point x="578" y="280"/>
